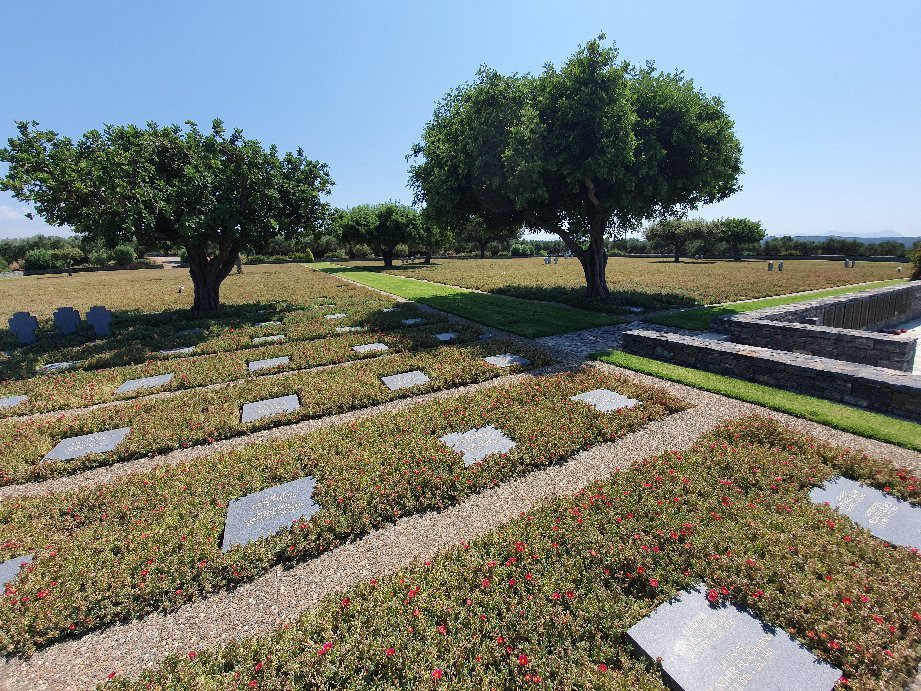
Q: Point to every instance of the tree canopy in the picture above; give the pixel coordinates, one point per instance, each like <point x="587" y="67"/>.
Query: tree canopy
<point x="380" y="226"/>
<point x="211" y="193"/>
<point x="585" y="151"/>
<point x="675" y="234"/>
<point x="738" y="232"/>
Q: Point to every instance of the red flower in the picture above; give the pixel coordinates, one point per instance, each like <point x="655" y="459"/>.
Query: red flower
<point x="437" y="674"/>
<point x="390" y="652"/>
<point x="713" y="596"/>
<point x="345" y="602"/>
<point x="654" y="582"/>
<point x="602" y="667"/>
<point x="192" y="654"/>
<point x="523" y="659"/>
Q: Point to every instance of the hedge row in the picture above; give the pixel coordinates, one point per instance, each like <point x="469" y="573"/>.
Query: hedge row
<point x="546" y="600"/>
<point x="201" y="416"/>
<point x="79" y="388"/>
<point x="151" y="541"/>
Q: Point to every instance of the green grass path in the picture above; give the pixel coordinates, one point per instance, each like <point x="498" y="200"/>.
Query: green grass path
<point x="528" y="318"/>
<point x="855" y="420"/>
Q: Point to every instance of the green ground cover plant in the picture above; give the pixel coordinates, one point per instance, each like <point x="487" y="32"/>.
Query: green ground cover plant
<point x="523" y="317"/>
<point x="78" y="388"/>
<point x="854" y="420"/>
<point x="151" y="541"/>
<point x="545" y="601"/>
<point x="198" y="416"/>
<point x="699" y="318"/>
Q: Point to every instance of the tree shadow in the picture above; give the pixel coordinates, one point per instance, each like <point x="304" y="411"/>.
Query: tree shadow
<point x="620" y="301"/>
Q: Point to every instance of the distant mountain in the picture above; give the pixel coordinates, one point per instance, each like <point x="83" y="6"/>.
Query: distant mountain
<point x="907" y="241"/>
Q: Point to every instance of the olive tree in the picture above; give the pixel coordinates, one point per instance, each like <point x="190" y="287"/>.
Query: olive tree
<point x="380" y="226"/>
<point x="212" y="193"/>
<point x="586" y="151"/>
<point x="738" y="232"/>
<point x="673" y="235"/>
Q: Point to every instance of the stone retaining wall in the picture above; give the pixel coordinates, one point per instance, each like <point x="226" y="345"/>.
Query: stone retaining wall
<point x="864" y="386"/>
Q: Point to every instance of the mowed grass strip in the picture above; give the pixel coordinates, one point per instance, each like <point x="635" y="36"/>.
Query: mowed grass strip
<point x="545" y="601"/>
<point x="526" y="318"/>
<point x="202" y="416"/>
<point x="857" y="421"/>
<point x="699" y="318"/>
<point x="151" y="541"/>
<point x="78" y="388"/>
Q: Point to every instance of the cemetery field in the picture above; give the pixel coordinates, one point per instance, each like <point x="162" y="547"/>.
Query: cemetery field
<point x="648" y="283"/>
<point x="547" y="600"/>
<point x="153" y="540"/>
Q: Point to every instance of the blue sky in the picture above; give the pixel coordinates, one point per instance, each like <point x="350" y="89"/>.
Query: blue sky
<point x="824" y="94"/>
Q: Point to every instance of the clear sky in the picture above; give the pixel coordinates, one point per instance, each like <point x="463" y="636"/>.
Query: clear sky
<point x="825" y="95"/>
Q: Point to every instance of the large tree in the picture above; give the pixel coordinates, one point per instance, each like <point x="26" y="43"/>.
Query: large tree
<point x="474" y="230"/>
<point x="380" y="226"/>
<point x="432" y="235"/>
<point x="585" y="151"/>
<point x="738" y="232"/>
<point x="212" y="193"/>
<point x="675" y="234"/>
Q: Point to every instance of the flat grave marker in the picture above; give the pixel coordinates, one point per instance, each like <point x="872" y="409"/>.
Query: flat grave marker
<point x="145" y="383"/>
<point x="348" y="329"/>
<point x="705" y="647"/>
<point x="507" y="360"/>
<point x="9" y="569"/>
<point x="338" y="315"/>
<point x="198" y="330"/>
<point x="405" y="380"/>
<point x="85" y="444"/>
<point x="888" y="518"/>
<point x="370" y="348"/>
<point x="101" y="320"/>
<point x="177" y="351"/>
<point x="12" y="401"/>
<point x="268" y="339"/>
<point x="66" y="319"/>
<point x="257" y="365"/>
<point x="413" y="321"/>
<point x="446" y="336"/>
<point x="23" y="325"/>
<point x="58" y="366"/>
<point x="264" y="513"/>
<point x="268" y="407"/>
<point x="605" y="400"/>
<point x="274" y="322"/>
<point x="391" y="309"/>
<point x="476" y="444"/>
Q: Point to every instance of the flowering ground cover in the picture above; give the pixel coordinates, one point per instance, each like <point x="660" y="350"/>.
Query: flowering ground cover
<point x="650" y="283"/>
<point x="151" y="541"/>
<point x="78" y="388"/>
<point x="545" y="601"/>
<point x="203" y="415"/>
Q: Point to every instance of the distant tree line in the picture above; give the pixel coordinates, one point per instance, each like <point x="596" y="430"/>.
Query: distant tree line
<point x="55" y="252"/>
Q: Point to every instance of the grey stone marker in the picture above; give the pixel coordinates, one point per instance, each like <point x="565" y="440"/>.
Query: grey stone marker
<point x="270" y="406"/>
<point x="479" y="443"/>
<point x="413" y="321"/>
<point x="605" y="400"/>
<point x="271" y="323"/>
<point x="887" y="517"/>
<point x="9" y="569"/>
<point x="338" y="315"/>
<point x="446" y="336"/>
<point x="770" y="266"/>
<point x="390" y="309"/>
<point x="58" y="366"/>
<point x="705" y="647"/>
<point x="264" y="513"/>
<point x="268" y="339"/>
<point x="507" y="360"/>
<point x="257" y="365"/>
<point x="177" y="351"/>
<point x="347" y="329"/>
<point x="66" y="319"/>
<point x="370" y="348"/>
<point x="145" y="383"/>
<point x="23" y="325"/>
<point x="12" y="401"/>
<point x="98" y="442"/>
<point x="101" y="320"/>
<point x="405" y="380"/>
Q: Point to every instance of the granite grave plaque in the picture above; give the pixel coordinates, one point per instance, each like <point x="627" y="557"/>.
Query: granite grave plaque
<point x="177" y="351"/>
<point x="605" y="400"/>
<point x="477" y="444"/>
<point x="413" y="321"/>
<point x="405" y="380"/>
<point x="370" y="348"/>
<point x="274" y="322"/>
<point x="58" y="366"/>
<point x="145" y="383"/>
<point x="887" y="517"/>
<point x="264" y="513"/>
<point x="257" y="365"/>
<point x="101" y="320"/>
<point x="507" y="360"/>
<point x="446" y="336"/>
<point x="76" y="447"/>
<point x="270" y="406"/>
<point x="66" y="319"/>
<point x="12" y="401"/>
<point x="338" y="315"/>
<point x="390" y="309"/>
<point x="9" y="569"/>
<point x="347" y="329"/>
<point x="705" y="647"/>
<point x="23" y="325"/>
<point x="268" y="339"/>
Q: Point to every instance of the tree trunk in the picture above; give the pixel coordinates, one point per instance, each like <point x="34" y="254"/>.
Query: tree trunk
<point x="428" y="256"/>
<point x="207" y="274"/>
<point x="677" y="253"/>
<point x="482" y="249"/>
<point x="594" y="262"/>
<point x="736" y="253"/>
<point x="388" y="258"/>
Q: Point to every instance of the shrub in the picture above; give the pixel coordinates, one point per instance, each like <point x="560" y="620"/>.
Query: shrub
<point x="522" y="250"/>
<point x="914" y="256"/>
<point x="3" y="265"/>
<point x="401" y="250"/>
<point x="37" y="259"/>
<point x="184" y="255"/>
<point x="123" y="254"/>
<point x="305" y="256"/>
<point x="99" y="257"/>
<point x="361" y="251"/>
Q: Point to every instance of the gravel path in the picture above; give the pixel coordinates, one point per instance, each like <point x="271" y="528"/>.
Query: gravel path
<point x="281" y="595"/>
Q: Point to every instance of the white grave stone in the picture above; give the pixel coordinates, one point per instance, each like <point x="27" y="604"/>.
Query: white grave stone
<point x="58" y="366"/>
<point x="605" y="400"/>
<point x="145" y="383"/>
<point x="270" y="406"/>
<point x="446" y="336"/>
<point x="507" y="360"/>
<point x="12" y="401"/>
<point x="264" y="513"/>
<point x="177" y="351"/>
<point x="270" y="323"/>
<point x="413" y="321"/>
<point x="76" y="447"/>
<point x="268" y="339"/>
<point x="405" y="380"/>
<point x="257" y="365"/>
<point x="370" y="348"/>
<point x="477" y="444"/>
<point x="347" y="329"/>
<point x="338" y="315"/>
<point x="9" y="569"/>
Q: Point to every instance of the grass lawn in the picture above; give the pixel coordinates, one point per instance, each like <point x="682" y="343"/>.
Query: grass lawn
<point x="523" y="317"/>
<point x="649" y="283"/>
<point x="699" y="318"/>
<point x="855" y="420"/>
